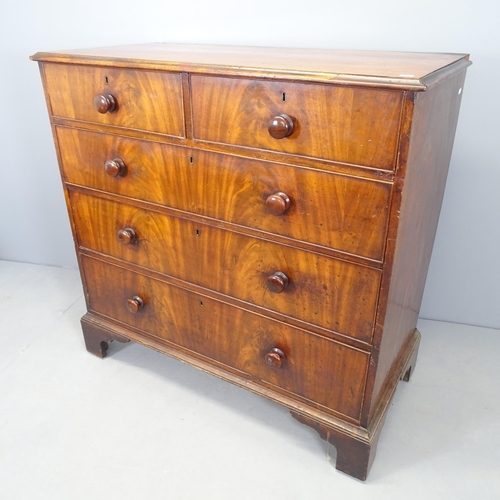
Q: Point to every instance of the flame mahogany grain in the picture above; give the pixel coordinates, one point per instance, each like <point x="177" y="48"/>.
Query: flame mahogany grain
<point x="337" y="211"/>
<point x="231" y="336"/>
<point x="143" y="100"/>
<point x="348" y="124"/>
<point x="320" y="290"/>
<point x="266" y="215"/>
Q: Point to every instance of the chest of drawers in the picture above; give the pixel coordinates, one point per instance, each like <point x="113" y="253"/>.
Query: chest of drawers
<point x="265" y="215"/>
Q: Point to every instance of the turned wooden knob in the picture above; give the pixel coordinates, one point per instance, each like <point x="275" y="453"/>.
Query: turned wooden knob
<point x="104" y="103"/>
<point x="115" y="167"/>
<point x="135" y="304"/>
<point x="280" y="126"/>
<point x="127" y="236"/>
<point x="275" y="357"/>
<point x="278" y="203"/>
<point x="277" y="282"/>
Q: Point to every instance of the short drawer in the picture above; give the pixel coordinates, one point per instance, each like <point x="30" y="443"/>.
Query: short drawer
<point x="345" y="124"/>
<point x="323" y="291"/>
<point x="143" y="100"/>
<point x="330" y="210"/>
<point x="314" y="368"/>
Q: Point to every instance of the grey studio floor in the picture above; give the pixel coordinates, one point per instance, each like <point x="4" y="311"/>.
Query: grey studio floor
<point x="140" y="425"/>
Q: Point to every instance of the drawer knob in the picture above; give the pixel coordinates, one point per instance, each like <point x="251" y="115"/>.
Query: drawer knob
<point x="275" y="357"/>
<point x="104" y="103"/>
<point x="277" y="282"/>
<point x="115" y="167"/>
<point x="280" y="126"/>
<point x="127" y="236"/>
<point x="278" y="203"/>
<point x="135" y="304"/>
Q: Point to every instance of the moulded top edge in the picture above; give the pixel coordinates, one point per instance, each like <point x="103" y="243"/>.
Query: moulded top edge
<point x="400" y="70"/>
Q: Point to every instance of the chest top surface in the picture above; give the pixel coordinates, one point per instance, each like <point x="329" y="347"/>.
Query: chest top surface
<point x="405" y="70"/>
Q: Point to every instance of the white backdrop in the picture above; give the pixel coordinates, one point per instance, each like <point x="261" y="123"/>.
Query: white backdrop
<point x="464" y="278"/>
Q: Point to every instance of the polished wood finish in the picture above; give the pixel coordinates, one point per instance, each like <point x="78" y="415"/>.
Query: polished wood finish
<point x="135" y="304"/>
<point x="115" y="168"/>
<point x="280" y="126"/>
<point x="336" y="211"/>
<point x="96" y="341"/>
<point x="424" y="167"/>
<point x="232" y="336"/>
<point x="354" y="457"/>
<point x="266" y="215"/>
<point x="321" y="290"/>
<point x="127" y="236"/>
<point x="275" y="357"/>
<point x="105" y="103"/>
<point x="278" y="203"/>
<point x="350" y="124"/>
<point x="398" y="70"/>
<point x="277" y="282"/>
<point x="144" y="100"/>
<point x="276" y="157"/>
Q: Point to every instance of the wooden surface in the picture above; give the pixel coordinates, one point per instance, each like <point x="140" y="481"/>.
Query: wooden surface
<point x="422" y="179"/>
<point x="322" y="291"/>
<point x="350" y="125"/>
<point x="96" y="341"/>
<point x="406" y="70"/>
<point x="145" y="100"/>
<point x="344" y="213"/>
<point x="259" y="214"/>
<point x="315" y="368"/>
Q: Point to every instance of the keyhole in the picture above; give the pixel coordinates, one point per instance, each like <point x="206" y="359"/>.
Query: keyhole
<point x="283" y="96"/>
<point x="197" y="232"/>
<point x="201" y="303"/>
<point x="106" y="80"/>
<point x="191" y="160"/>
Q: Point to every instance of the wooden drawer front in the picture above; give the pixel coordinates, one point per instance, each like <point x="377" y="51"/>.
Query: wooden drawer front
<point x="345" y="124"/>
<point x="145" y="100"/>
<point x="321" y="370"/>
<point x="334" y="211"/>
<point x="323" y="291"/>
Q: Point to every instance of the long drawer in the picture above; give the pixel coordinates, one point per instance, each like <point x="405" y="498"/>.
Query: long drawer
<point x="334" y="211"/>
<point x="143" y="100"/>
<point x="323" y="371"/>
<point x="345" y="124"/>
<point x="323" y="291"/>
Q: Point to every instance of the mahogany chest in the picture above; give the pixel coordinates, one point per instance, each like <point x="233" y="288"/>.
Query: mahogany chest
<point x="266" y="215"/>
